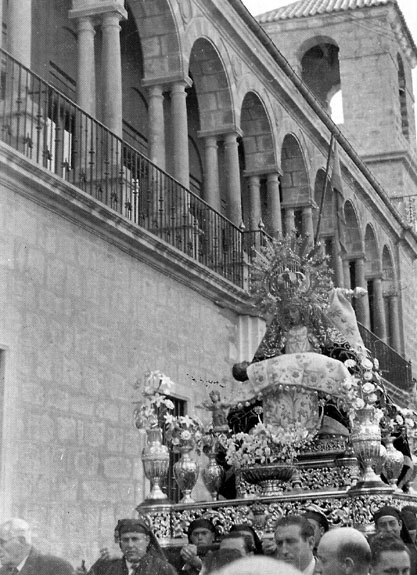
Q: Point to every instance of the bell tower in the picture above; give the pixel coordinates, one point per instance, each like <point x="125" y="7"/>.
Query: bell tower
<point x="358" y="62"/>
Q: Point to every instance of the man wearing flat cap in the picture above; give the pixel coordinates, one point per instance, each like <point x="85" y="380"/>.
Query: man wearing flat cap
<point x="201" y="535"/>
<point x="388" y="520"/>
<point x="142" y="554"/>
<point x="19" y="557"/>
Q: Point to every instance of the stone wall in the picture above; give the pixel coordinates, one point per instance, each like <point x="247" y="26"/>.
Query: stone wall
<point x="81" y="321"/>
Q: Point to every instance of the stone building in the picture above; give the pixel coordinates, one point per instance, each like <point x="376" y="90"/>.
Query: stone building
<point x="136" y="138"/>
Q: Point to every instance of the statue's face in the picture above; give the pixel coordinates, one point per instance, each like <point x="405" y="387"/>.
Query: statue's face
<point x="294" y="315"/>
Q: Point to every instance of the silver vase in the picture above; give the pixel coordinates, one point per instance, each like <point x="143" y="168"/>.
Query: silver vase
<point x="394" y="461"/>
<point x="186" y="474"/>
<point x="213" y="476"/>
<point x="366" y="443"/>
<point x="155" y="459"/>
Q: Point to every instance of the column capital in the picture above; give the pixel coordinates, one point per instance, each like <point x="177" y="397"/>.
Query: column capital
<point x="85" y="24"/>
<point x="264" y="172"/>
<point x="96" y="10"/>
<point x="222" y="132"/>
<point x="181" y="84"/>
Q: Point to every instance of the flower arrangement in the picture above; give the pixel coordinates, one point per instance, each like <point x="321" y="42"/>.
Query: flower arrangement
<point x="265" y="445"/>
<point x="183" y="431"/>
<point x="155" y="405"/>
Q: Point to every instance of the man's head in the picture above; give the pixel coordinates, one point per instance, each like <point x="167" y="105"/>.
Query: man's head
<point x="409" y="519"/>
<point x="133" y="537"/>
<point x="250" y="532"/>
<point x="294" y="537"/>
<point x="239" y="541"/>
<point x="201" y="532"/>
<point x="343" y="551"/>
<point x="390" y="555"/>
<point x="15" y="541"/>
<point x="319" y="522"/>
<point x="388" y="520"/>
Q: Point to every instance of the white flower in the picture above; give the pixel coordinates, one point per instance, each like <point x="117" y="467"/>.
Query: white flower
<point x="358" y="403"/>
<point x="368" y="387"/>
<point x="367" y="363"/>
<point x="349" y="363"/>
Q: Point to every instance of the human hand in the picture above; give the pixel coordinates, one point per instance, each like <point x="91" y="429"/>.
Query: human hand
<point x="189" y="555"/>
<point x="107" y="554"/>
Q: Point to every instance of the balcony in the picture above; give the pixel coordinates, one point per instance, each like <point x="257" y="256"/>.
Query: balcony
<point x="48" y="128"/>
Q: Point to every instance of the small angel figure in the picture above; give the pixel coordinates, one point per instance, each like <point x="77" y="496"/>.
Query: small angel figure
<point x="219" y="411"/>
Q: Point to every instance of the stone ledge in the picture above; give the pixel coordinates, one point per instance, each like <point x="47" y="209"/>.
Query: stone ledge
<point x="25" y="177"/>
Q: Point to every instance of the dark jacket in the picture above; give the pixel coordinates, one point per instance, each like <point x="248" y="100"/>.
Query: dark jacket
<point x="38" y="564"/>
<point x="148" y="565"/>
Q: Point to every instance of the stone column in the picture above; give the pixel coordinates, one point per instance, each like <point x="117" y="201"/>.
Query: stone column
<point x="111" y="71"/>
<point x="181" y="161"/>
<point x="86" y="69"/>
<point x="363" y="302"/>
<point x="394" y="324"/>
<point x="339" y="274"/>
<point x="379" y="310"/>
<point x="20" y="30"/>
<point x="211" y="172"/>
<point x="346" y="274"/>
<point x="255" y="211"/>
<point x="289" y="220"/>
<point x="308" y="228"/>
<point x="156" y="130"/>
<point x="274" y="204"/>
<point x="234" y="196"/>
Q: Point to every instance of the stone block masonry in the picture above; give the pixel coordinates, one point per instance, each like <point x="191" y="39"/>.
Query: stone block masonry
<point x="82" y="321"/>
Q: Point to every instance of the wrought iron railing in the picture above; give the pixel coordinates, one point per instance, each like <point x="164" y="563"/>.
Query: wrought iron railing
<point x="47" y="127"/>
<point x="394" y="368"/>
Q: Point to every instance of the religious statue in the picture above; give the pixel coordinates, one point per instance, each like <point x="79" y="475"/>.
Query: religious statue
<point x="219" y="411"/>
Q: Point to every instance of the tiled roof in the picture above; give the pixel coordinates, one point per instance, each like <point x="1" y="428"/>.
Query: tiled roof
<point x="305" y="8"/>
<point x="309" y="8"/>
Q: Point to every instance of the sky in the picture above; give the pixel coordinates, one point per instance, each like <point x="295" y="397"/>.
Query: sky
<point x="408" y="8"/>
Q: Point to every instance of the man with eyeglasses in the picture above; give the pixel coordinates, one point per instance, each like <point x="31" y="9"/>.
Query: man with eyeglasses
<point x="19" y="557"/>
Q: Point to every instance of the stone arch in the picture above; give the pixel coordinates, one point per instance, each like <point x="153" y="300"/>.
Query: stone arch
<point x="352" y="231"/>
<point x="319" y="61"/>
<point x="294" y="180"/>
<point x="388" y="270"/>
<point x="373" y="279"/>
<point x="327" y="211"/>
<point x="160" y="44"/>
<point x="258" y="161"/>
<point x="372" y="261"/>
<point x="295" y="187"/>
<point x="212" y="86"/>
<point x="257" y="137"/>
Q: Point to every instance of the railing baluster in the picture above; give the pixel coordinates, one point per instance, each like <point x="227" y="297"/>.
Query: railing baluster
<point x="49" y="128"/>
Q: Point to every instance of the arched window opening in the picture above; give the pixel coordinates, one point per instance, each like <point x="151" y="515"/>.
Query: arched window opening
<point x="402" y="92"/>
<point x="320" y="71"/>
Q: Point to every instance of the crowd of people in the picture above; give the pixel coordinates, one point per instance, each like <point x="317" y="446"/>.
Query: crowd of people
<point x="303" y="544"/>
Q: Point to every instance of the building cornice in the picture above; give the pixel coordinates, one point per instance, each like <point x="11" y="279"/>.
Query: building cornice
<point x="27" y="178"/>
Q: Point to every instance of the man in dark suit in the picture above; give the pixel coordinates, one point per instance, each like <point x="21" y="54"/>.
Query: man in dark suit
<point x="19" y="557"/>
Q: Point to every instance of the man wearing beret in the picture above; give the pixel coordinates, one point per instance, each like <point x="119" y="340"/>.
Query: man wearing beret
<point x="142" y="554"/>
<point x="318" y="520"/>
<point x="388" y="521"/>
<point x="19" y="557"/>
<point x="201" y="535"/>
